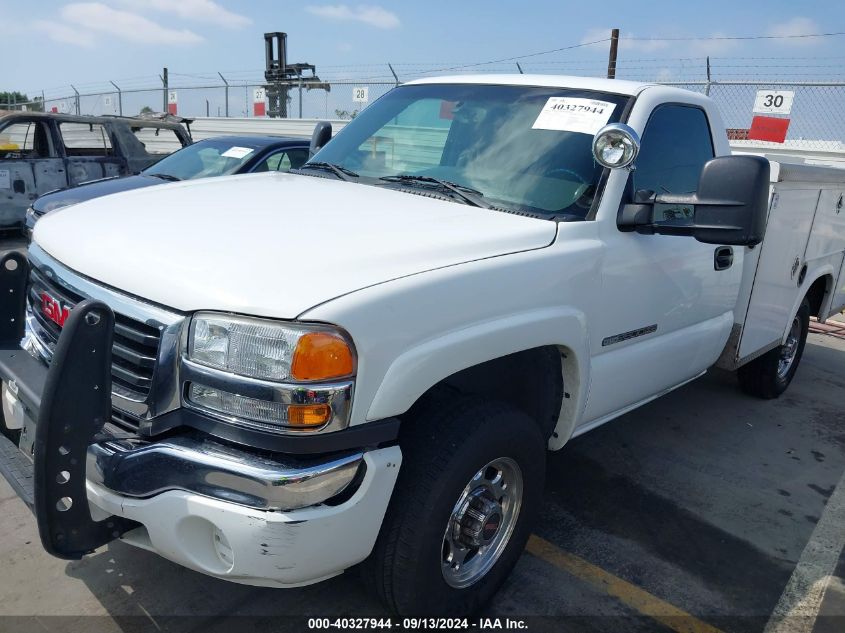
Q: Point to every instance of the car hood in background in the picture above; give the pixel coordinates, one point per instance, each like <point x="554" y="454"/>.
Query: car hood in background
<point x="88" y="191"/>
<point x="273" y="244"/>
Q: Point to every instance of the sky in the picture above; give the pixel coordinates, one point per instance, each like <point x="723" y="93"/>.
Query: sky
<point x="57" y="42"/>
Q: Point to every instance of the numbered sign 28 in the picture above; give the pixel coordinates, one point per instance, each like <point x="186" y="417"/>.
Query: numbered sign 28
<point x="774" y="101"/>
<point x="360" y="94"/>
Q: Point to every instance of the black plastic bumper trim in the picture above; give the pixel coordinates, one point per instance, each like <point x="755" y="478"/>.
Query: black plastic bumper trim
<point x="28" y="374"/>
<point x="355" y="437"/>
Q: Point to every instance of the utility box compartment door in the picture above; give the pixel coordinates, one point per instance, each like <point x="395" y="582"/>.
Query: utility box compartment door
<point x="776" y="283"/>
<point x="827" y="242"/>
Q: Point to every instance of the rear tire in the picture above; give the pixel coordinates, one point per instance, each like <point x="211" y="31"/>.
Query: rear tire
<point x="469" y="489"/>
<point x="769" y="376"/>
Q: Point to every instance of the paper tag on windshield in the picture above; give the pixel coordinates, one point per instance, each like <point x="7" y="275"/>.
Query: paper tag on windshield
<point x="574" y="114"/>
<point x="5" y="181"/>
<point x="237" y="152"/>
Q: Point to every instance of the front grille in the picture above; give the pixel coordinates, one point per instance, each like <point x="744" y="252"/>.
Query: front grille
<point x="135" y="347"/>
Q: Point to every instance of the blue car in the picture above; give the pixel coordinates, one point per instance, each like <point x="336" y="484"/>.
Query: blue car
<point x="204" y="159"/>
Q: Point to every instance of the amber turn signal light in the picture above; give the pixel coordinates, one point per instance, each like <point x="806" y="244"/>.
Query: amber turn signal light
<point x="321" y="356"/>
<point x="308" y="414"/>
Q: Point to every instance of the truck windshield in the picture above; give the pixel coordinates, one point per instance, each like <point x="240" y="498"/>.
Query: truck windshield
<point x="212" y="157"/>
<point x="522" y="148"/>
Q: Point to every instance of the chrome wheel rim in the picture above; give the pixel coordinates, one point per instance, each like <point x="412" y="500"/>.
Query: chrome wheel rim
<point x="789" y="350"/>
<point x="481" y="523"/>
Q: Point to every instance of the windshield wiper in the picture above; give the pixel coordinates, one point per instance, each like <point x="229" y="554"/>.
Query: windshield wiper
<point x="467" y="194"/>
<point x="166" y="177"/>
<point x="338" y="170"/>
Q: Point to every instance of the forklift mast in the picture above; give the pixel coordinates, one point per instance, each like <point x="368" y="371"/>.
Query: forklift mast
<point x="281" y="76"/>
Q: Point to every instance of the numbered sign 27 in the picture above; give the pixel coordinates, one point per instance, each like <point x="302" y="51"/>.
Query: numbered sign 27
<point x="259" y="107"/>
<point x="774" y="101"/>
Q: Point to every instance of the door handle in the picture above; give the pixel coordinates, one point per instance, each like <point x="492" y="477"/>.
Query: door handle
<point x="723" y="258"/>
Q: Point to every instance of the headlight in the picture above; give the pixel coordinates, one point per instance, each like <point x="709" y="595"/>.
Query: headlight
<point x="269" y="375"/>
<point x="269" y="350"/>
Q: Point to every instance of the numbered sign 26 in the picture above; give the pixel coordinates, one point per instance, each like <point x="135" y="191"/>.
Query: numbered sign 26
<point x="774" y="101"/>
<point x="360" y="94"/>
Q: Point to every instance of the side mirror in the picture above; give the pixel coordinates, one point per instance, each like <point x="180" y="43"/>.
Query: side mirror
<point x="321" y="135"/>
<point x="730" y="206"/>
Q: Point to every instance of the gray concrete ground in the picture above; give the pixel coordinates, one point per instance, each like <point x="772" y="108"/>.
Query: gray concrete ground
<point x="704" y="499"/>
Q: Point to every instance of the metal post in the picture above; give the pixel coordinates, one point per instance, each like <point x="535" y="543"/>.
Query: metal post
<point x="14" y="101"/>
<point x="164" y="83"/>
<point x="207" y="109"/>
<point x="707" y="87"/>
<point x="394" y="73"/>
<point x="43" y="102"/>
<point x="119" y="98"/>
<point x="300" y="96"/>
<point x="611" y="61"/>
<point x="519" y="68"/>
<point x="227" y="93"/>
<point x="76" y="98"/>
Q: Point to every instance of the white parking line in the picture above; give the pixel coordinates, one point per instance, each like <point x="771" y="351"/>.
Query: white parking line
<point x="801" y="600"/>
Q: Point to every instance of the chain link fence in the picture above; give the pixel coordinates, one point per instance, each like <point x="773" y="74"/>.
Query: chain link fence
<point x="816" y="119"/>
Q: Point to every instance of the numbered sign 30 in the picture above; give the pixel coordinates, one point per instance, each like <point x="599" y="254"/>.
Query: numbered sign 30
<point x="360" y="94"/>
<point x="774" y="101"/>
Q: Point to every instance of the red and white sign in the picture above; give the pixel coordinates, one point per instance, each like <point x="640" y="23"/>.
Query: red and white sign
<point x="774" y="101"/>
<point x="768" y="128"/>
<point x="172" y="102"/>
<point x="259" y="107"/>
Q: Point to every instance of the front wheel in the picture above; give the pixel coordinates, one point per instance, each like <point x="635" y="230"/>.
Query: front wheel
<point x="770" y="375"/>
<point x="468" y="492"/>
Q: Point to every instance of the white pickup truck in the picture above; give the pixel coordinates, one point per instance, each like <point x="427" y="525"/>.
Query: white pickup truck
<point x="273" y="378"/>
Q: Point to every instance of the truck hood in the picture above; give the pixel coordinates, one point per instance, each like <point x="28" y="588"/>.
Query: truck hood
<point x="272" y="244"/>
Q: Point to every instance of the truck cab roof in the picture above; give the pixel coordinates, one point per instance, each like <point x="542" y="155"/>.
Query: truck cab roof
<point x="616" y="86"/>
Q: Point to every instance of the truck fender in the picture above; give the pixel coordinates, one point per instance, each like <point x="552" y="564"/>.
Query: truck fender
<point x="809" y="279"/>
<point x="422" y="366"/>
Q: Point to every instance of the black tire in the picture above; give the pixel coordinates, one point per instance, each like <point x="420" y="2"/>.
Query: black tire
<point x="761" y="376"/>
<point x="443" y="447"/>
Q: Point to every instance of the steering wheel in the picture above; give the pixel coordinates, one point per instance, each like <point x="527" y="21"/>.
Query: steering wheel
<point x="569" y="172"/>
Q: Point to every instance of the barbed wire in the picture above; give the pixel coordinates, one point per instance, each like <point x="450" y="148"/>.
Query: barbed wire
<point x="640" y="68"/>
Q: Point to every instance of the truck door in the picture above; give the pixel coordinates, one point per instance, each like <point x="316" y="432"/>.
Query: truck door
<point x="89" y="153"/>
<point x="666" y="303"/>
<point x="29" y="167"/>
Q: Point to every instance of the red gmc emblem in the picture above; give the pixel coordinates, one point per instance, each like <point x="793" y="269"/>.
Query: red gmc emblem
<point x="54" y="310"/>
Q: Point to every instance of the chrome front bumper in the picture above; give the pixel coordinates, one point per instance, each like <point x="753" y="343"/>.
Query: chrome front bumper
<point x="134" y="468"/>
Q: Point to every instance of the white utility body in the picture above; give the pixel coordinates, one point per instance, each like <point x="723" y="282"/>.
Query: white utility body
<point x="475" y="270"/>
<point x="805" y="242"/>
